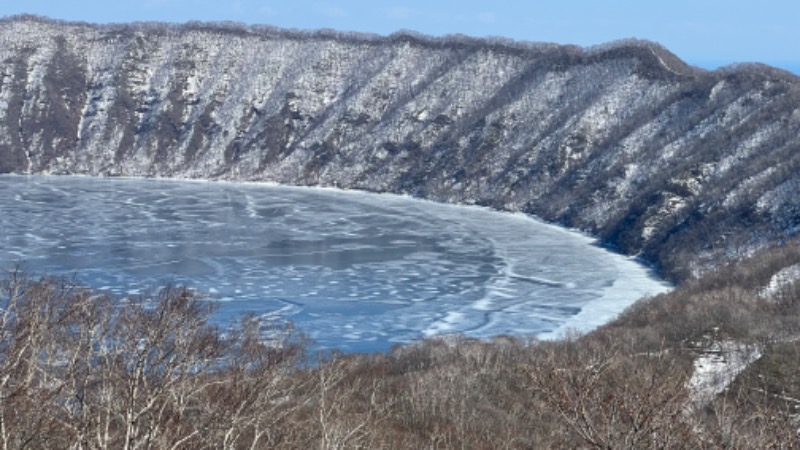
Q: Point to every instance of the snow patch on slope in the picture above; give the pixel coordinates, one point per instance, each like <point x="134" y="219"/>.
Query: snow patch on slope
<point x="780" y="280"/>
<point x="717" y="367"/>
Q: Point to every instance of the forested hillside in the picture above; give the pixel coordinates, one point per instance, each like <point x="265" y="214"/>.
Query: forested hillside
<point x="679" y="165"/>
<point x="712" y="364"/>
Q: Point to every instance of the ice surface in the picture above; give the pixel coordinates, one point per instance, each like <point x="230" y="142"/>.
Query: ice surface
<point x="356" y="271"/>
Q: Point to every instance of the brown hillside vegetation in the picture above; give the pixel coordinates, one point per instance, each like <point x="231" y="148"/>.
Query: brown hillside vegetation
<point x="82" y="370"/>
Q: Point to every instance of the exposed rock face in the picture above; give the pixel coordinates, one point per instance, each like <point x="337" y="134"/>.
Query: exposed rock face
<point x="625" y="141"/>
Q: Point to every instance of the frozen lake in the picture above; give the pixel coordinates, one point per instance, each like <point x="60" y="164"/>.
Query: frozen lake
<point x="355" y="271"/>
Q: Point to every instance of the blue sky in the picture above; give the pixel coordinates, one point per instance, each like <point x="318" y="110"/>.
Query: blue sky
<point x="706" y="33"/>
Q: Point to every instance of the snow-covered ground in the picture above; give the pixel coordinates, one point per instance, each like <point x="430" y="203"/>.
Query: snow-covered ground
<point x="354" y="270"/>
<point x="781" y="279"/>
<point x="717" y="367"/>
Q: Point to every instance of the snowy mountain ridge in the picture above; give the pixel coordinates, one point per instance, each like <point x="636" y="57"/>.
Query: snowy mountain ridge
<point x="681" y="166"/>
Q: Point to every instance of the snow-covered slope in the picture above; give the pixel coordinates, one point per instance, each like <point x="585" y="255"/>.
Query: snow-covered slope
<point x="625" y="141"/>
<point x="716" y="367"/>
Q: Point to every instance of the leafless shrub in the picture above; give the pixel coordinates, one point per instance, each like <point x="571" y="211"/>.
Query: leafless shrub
<point x="79" y="370"/>
<point x="609" y="397"/>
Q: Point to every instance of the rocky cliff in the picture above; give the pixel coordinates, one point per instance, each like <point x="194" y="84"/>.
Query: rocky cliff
<point x="679" y="165"/>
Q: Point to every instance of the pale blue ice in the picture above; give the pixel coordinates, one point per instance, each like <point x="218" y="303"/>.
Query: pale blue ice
<point x="355" y="271"/>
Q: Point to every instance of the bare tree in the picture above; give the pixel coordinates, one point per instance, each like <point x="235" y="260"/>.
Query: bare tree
<point x="609" y="398"/>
